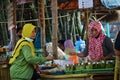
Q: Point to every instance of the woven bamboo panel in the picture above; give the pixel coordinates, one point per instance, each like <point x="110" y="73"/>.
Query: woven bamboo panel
<point x="4" y="72"/>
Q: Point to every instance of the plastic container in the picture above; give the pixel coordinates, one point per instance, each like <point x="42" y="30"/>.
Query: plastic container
<point x="74" y="58"/>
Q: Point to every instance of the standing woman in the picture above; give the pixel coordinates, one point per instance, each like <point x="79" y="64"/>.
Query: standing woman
<point x="24" y="61"/>
<point x="98" y="46"/>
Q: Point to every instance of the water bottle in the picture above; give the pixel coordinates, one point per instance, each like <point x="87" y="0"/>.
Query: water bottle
<point x="82" y="45"/>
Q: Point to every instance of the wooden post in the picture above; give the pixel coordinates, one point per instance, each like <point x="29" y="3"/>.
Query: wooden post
<point x="86" y="23"/>
<point x="14" y="23"/>
<point x="54" y="27"/>
<point x="42" y="23"/>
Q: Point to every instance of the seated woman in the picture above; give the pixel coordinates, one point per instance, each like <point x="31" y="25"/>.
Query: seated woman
<point x="71" y="51"/>
<point x="69" y="47"/>
<point x="98" y="46"/>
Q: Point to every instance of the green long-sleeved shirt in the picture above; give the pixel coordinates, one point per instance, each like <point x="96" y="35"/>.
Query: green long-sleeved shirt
<point x="22" y="68"/>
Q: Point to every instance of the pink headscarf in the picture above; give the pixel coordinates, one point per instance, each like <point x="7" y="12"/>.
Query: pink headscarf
<point x="96" y="25"/>
<point x="95" y="51"/>
<point x="69" y="44"/>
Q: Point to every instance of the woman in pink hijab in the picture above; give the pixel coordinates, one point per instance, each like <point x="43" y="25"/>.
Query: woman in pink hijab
<point x="98" y="46"/>
<point x="71" y="51"/>
<point x="69" y="47"/>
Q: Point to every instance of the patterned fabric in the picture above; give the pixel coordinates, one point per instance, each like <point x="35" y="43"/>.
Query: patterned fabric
<point x="95" y="51"/>
<point x="95" y="25"/>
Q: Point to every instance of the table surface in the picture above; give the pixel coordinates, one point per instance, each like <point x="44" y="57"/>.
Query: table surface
<point x="81" y="75"/>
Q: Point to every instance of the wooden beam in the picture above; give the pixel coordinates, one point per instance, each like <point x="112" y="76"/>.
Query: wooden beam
<point x="42" y="23"/>
<point x="86" y="23"/>
<point x="54" y="27"/>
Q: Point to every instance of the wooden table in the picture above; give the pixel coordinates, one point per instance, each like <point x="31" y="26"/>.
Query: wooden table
<point x="66" y="77"/>
<point x="82" y="76"/>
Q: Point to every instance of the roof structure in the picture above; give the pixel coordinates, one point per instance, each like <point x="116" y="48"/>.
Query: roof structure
<point x="102" y="9"/>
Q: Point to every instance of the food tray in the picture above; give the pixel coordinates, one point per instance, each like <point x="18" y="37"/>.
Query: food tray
<point x="90" y="71"/>
<point x="57" y="73"/>
<point x="68" y="72"/>
<point x="47" y="68"/>
<point x="97" y="70"/>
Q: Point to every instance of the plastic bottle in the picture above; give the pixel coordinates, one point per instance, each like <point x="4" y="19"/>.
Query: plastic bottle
<point x="82" y="45"/>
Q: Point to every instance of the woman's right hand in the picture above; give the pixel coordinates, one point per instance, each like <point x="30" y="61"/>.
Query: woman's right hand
<point x="49" y="58"/>
<point x="80" y="55"/>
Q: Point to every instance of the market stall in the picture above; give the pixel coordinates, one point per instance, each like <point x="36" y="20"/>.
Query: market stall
<point x="82" y="71"/>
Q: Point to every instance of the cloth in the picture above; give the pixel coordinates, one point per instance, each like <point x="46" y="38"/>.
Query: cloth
<point x="69" y="47"/>
<point x="95" y="48"/>
<point x="95" y="25"/>
<point x="18" y="47"/>
<point x="37" y="41"/>
<point x="35" y="76"/>
<point x="111" y="3"/>
<point x="23" y="65"/>
<point x="69" y="50"/>
<point x="117" y="42"/>
<point x="49" y="49"/>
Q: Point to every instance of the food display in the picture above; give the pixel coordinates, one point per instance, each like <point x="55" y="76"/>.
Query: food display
<point x="53" y="67"/>
<point x="91" y="67"/>
<point x="65" y="67"/>
<point x="3" y="56"/>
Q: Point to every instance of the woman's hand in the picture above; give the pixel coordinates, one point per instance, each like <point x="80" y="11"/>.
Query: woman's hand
<point x="72" y="53"/>
<point x="80" y="55"/>
<point x="49" y="57"/>
<point x="117" y="52"/>
<point x="108" y="58"/>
